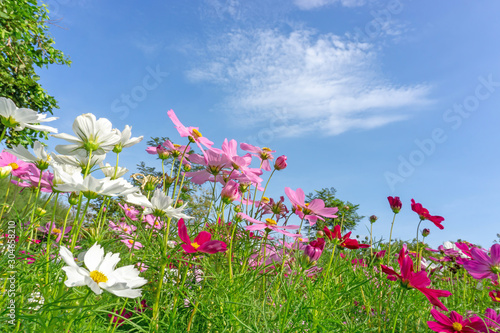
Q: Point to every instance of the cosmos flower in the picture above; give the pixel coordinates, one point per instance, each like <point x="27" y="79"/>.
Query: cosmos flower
<point x="202" y="242"/>
<point x="344" y="241"/>
<point x="41" y="159"/>
<point x="96" y="135"/>
<point x="101" y="274"/>
<point x="395" y="204"/>
<point x="112" y="172"/>
<point x="91" y="187"/>
<point x="483" y="266"/>
<point x="19" y="167"/>
<point x="54" y="230"/>
<point x="125" y="140"/>
<point x="415" y="280"/>
<point x="270" y="224"/>
<point x="17" y="119"/>
<point x="159" y="205"/>
<point x="453" y="324"/>
<point x="311" y="211"/>
<point x="263" y="154"/>
<point x="314" y="249"/>
<point x="424" y="214"/>
<point x="192" y="133"/>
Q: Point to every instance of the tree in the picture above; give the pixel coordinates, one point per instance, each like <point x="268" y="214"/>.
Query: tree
<point x="346" y="209"/>
<point x="25" y="45"/>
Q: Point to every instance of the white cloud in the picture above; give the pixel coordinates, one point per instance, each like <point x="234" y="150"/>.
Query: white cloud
<point x="311" y="4"/>
<point x="318" y="82"/>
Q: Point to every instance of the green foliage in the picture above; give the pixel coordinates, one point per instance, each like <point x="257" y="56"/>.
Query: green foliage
<point x="25" y="45"/>
<point x="347" y="210"/>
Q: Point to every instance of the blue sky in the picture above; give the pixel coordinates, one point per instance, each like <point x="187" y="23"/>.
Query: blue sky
<point x="374" y="98"/>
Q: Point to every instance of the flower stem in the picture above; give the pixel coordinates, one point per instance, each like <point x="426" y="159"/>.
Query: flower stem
<point x="390" y="239"/>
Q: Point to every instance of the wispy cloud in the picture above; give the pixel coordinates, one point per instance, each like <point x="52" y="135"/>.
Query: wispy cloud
<point x="311" y="4"/>
<point x="321" y="83"/>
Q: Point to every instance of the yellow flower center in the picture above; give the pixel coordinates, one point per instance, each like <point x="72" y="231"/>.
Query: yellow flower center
<point x="265" y="199"/>
<point x="266" y="149"/>
<point x="56" y="230"/>
<point x="131" y="241"/>
<point x="271" y="222"/>
<point x="14" y="166"/>
<point x="195" y="245"/>
<point x="98" y="277"/>
<point x="196" y="133"/>
<point x="176" y="145"/>
<point x="457" y="327"/>
<point x="497" y="299"/>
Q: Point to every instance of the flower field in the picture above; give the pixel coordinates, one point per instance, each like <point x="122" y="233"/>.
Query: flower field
<point x="113" y="255"/>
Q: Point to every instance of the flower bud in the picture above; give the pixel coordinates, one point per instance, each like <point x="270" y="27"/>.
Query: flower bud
<point x="280" y="163"/>
<point x="320" y="233"/>
<point x="40" y="211"/>
<point x="5" y="171"/>
<point x="237" y="209"/>
<point x="426" y="232"/>
<point x="187" y="167"/>
<point x="73" y="199"/>
<point x="373" y="219"/>
<point x="314" y="249"/>
<point x="230" y="192"/>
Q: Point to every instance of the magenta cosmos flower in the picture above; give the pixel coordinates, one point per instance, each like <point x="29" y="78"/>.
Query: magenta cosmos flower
<point x="417" y="280"/>
<point x="270" y="224"/>
<point x="492" y="321"/>
<point x="202" y="242"/>
<point x="424" y="214"/>
<point x="483" y="266"/>
<point x="454" y="324"/>
<point x="213" y="162"/>
<point x="310" y="211"/>
<point x="314" y="249"/>
<point x="395" y="204"/>
<point x="344" y="241"/>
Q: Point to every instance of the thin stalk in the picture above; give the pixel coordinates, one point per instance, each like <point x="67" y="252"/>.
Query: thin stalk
<point x="390" y="239"/>
<point x="6" y="195"/>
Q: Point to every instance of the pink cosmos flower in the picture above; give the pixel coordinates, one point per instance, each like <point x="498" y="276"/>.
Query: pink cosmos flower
<point x="19" y="167"/>
<point x="278" y="208"/>
<point x="395" y="204"/>
<point x="418" y="280"/>
<point x="190" y="132"/>
<point x="52" y="229"/>
<point x="424" y="214"/>
<point x="483" y="266"/>
<point x="202" y="242"/>
<point x="32" y="178"/>
<point x="453" y="324"/>
<point x="214" y="163"/>
<point x="122" y="227"/>
<point x="154" y="222"/>
<point x="269" y="224"/>
<point x="130" y="211"/>
<point x="344" y="241"/>
<point x="263" y="154"/>
<point x="130" y="242"/>
<point x="311" y="211"/>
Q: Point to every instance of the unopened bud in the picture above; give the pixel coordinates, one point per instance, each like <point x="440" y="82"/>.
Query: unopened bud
<point x="73" y="199"/>
<point x="426" y="232"/>
<point x="40" y="211"/>
<point x="280" y="163"/>
<point x="373" y="219"/>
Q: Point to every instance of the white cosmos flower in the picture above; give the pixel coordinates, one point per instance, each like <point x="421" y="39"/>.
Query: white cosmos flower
<point x="18" y="119"/>
<point x="101" y="273"/>
<point x="91" y="187"/>
<point x="125" y="140"/>
<point x="65" y="173"/>
<point x="41" y="159"/>
<point x="80" y="159"/>
<point x="96" y="135"/>
<point x="159" y="205"/>
<point x="109" y="171"/>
